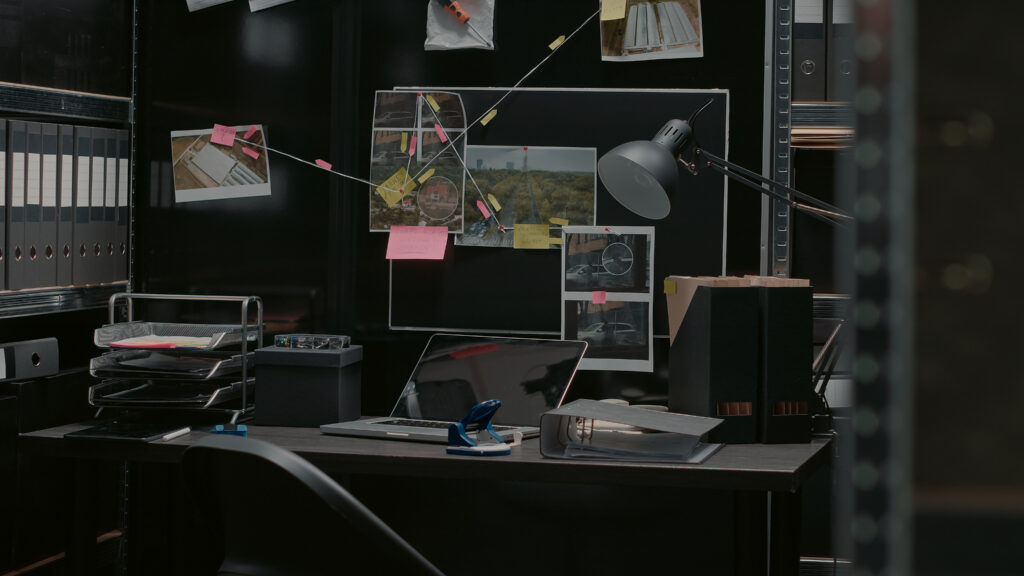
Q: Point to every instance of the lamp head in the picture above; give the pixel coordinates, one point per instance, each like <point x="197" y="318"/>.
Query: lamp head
<point x="642" y="174"/>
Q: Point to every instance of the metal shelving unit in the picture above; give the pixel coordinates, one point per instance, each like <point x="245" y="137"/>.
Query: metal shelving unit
<point x="63" y="105"/>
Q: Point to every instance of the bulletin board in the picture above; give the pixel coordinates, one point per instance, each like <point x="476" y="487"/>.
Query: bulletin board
<point x="503" y="290"/>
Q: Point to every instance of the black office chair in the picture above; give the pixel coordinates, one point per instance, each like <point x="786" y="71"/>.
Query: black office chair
<point x="280" y="515"/>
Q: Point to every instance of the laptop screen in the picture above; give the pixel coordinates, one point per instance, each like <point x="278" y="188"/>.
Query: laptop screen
<point x="456" y="372"/>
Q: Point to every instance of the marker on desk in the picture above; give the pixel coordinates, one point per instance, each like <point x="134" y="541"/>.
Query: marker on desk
<point x="176" y="434"/>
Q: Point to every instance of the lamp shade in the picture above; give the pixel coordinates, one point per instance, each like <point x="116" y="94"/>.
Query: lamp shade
<point x="642" y="174"/>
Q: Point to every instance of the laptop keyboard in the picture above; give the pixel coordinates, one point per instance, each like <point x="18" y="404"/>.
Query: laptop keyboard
<point x="432" y="424"/>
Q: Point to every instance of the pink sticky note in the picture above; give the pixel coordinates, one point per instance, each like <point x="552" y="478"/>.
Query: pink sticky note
<point x="440" y="133"/>
<point x="417" y="242"/>
<point x="223" y="135"/>
<point x="483" y="208"/>
<point x="323" y="164"/>
<point x="250" y="152"/>
<point x="598" y="296"/>
<point x="252" y="130"/>
<point x="412" y="145"/>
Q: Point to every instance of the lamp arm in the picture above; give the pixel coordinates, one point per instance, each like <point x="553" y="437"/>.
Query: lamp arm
<point x="811" y="205"/>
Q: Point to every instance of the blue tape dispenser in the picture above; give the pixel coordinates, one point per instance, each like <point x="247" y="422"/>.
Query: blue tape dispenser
<point x="478" y="420"/>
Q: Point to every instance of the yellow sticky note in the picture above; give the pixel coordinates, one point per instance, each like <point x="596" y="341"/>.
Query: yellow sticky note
<point x="399" y="184"/>
<point x="432" y="102"/>
<point x="427" y="174"/>
<point x="555" y="241"/>
<point x="559" y="221"/>
<point x="558" y="42"/>
<point x="494" y="202"/>
<point x="489" y="116"/>
<point x="405" y="141"/>
<point x="613" y="10"/>
<point x="532" y="237"/>
<point x="670" y="286"/>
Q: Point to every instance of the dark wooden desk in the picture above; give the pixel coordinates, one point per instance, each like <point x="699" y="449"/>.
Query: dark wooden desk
<point x="751" y="471"/>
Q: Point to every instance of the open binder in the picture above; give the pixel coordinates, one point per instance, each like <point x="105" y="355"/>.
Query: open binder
<point x="589" y="429"/>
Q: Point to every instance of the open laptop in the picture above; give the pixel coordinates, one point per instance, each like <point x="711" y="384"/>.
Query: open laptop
<point x="456" y="372"/>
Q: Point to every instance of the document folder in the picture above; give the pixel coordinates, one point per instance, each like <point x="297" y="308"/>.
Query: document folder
<point x="123" y="205"/>
<point x="47" y="260"/>
<point x="589" y="429"/>
<point x="809" y="62"/>
<point x="66" y="204"/>
<point x="787" y="354"/>
<point x="109" y="230"/>
<point x="4" y="192"/>
<point x="33" y="225"/>
<point x="82" y="247"/>
<point x="17" y="271"/>
<point x="713" y="356"/>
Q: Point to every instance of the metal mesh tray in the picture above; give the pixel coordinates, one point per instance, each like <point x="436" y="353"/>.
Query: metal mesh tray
<point x="164" y="335"/>
<point x="144" y="393"/>
<point x="164" y="365"/>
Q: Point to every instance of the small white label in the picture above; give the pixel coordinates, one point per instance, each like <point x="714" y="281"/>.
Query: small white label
<point x="111" y="190"/>
<point x="97" y="182"/>
<point x="18" y="179"/>
<point x="50" y="180"/>
<point x="3" y="363"/>
<point x="83" y="182"/>
<point x="67" y="180"/>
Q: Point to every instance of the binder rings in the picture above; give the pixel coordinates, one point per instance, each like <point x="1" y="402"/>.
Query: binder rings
<point x="809" y="62"/>
<point x="82" y="252"/>
<point x="109" y="232"/>
<point x="123" y="210"/>
<point x="17" y="271"/>
<point x="33" y="226"/>
<point x="47" y="260"/>
<point x="713" y="367"/>
<point x="786" y="334"/>
<point x="4" y="187"/>
<point x="65" y="204"/>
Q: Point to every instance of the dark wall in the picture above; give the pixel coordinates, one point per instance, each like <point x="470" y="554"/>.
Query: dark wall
<point x="307" y="71"/>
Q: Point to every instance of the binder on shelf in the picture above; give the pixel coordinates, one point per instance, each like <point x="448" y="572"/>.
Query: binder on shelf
<point x="123" y="206"/>
<point x="65" y="204"/>
<point x="33" y="204"/>
<point x="809" y="63"/>
<point x="841" y="81"/>
<point x="713" y="354"/>
<point x="48" y="247"/>
<point x="97" y="199"/>
<point x="81" y="247"/>
<point x="786" y="343"/>
<point x="109" y="235"/>
<point x="4" y="187"/>
<point x="17" y="270"/>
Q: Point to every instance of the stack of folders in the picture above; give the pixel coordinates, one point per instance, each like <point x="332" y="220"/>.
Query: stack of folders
<point x="64" y="210"/>
<point x="169" y="366"/>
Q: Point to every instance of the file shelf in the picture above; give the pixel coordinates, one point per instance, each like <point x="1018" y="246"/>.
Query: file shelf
<point x="55" y="105"/>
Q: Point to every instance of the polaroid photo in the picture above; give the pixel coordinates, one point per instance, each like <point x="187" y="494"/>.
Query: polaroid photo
<point x="205" y="170"/>
<point x="607" y="295"/>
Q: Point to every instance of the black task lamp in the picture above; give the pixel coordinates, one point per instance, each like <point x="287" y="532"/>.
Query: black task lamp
<point x="642" y="174"/>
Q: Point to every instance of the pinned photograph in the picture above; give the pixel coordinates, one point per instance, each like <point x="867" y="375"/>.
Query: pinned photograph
<point x="209" y="166"/>
<point x="526" y="186"/>
<point x="416" y="161"/>
<point x="607" y="295"/>
<point x="618" y="333"/>
<point x="607" y="261"/>
<point x="652" y="31"/>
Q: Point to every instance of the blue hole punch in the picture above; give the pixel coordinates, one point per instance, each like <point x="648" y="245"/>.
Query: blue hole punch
<point x="478" y="420"/>
<point x="240" y="430"/>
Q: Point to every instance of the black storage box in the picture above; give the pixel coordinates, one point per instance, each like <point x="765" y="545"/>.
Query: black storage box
<point x="304" y="387"/>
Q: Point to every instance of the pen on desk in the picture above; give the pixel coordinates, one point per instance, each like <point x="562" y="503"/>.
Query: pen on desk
<point x="176" y="433"/>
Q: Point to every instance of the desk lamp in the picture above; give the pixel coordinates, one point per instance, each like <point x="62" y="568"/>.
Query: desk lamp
<point x="641" y="174"/>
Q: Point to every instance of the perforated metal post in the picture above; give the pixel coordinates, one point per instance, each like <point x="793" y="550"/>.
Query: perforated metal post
<point x="775" y="259"/>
